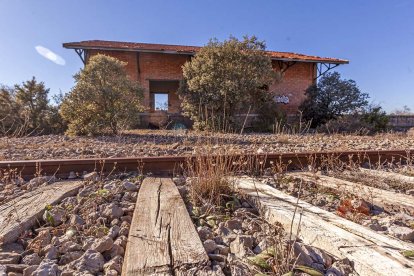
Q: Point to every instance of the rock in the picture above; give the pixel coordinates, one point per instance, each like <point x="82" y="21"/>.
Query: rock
<point x="51" y="252"/>
<point x="9" y="258"/>
<point x="91" y="261"/>
<point x="87" y="243"/>
<point x="69" y="257"/>
<point x="76" y="220"/>
<point x="55" y="216"/>
<point x="93" y="176"/>
<point x="217" y="257"/>
<point x="122" y="241"/>
<point x="111" y="272"/>
<point x="261" y="246"/>
<point x="311" y="256"/>
<point x="15" y="268"/>
<point x="410" y="192"/>
<point x="114" y="231"/>
<point x="241" y="245"/>
<point x="85" y="191"/>
<point x="340" y="268"/>
<point x="69" y="246"/>
<point x="204" y="233"/>
<point x="46" y="268"/>
<point x="102" y="244"/>
<point x="72" y="175"/>
<point x="318" y="256"/>
<point x="116" y="250"/>
<point x="14" y="274"/>
<point x="110" y="186"/>
<point x="246" y="205"/>
<point x="32" y="259"/>
<point x="42" y="240"/>
<point x="37" y="181"/>
<point x="179" y="181"/>
<point x="222" y="249"/>
<point x="114" y="264"/>
<point x="28" y="271"/>
<point x="12" y="247"/>
<point x="233" y="224"/>
<point x="124" y="231"/>
<point x="374" y="225"/>
<point x="112" y="211"/>
<point x="126" y="218"/>
<point x="401" y="232"/>
<point x="131" y="187"/>
<point x="3" y="270"/>
<point x="209" y="246"/>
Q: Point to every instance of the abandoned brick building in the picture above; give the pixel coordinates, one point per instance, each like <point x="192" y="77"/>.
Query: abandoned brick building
<point x="158" y="68"/>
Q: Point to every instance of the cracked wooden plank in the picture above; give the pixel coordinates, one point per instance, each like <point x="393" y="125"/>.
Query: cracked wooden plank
<point x="409" y="180"/>
<point x="162" y="238"/>
<point x="372" y="253"/>
<point x="21" y="213"/>
<point x="379" y="197"/>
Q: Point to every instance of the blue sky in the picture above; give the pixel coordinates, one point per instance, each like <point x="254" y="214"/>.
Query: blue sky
<point x="377" y="36"/>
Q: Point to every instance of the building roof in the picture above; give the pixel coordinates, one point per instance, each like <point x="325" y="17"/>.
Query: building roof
<point x="190" y="50"/>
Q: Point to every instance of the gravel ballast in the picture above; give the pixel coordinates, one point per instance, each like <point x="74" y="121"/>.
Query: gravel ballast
<point x="178" y="142"/>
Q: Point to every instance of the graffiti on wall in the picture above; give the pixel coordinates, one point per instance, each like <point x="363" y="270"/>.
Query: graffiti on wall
<point x="281" y="99"/>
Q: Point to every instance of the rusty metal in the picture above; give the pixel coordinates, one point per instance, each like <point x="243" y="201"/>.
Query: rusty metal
<point x="168" y="165"/>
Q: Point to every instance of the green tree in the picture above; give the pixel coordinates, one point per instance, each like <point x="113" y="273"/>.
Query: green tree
<point x="31" y="97"/>
<point x="331" y="98"/>
<point x="9" y="110"/>
<point x="104" y="99"/>
<point x="223" y="80"/>
<point x="25" y="109"/>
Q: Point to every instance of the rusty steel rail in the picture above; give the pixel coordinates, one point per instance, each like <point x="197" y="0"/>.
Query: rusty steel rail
<point x="168" y="165"/>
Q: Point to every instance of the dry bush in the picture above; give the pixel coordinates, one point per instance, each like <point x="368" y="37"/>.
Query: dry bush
<point x="210" y="180"/>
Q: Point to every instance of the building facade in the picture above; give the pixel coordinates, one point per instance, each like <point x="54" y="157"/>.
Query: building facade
<point x="158" y="68"/>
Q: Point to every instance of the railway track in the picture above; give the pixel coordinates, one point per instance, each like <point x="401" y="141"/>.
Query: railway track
<point x="161" y="238"/>
<point x="167" y="165"/>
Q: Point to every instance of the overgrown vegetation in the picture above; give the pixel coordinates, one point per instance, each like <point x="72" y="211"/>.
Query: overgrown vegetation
<point x="225" y="79"/>
<point x="331" y="98"/>
<point x="104" y="99"/>
<point x="336" y="105"/>
<point x="25" y="109"/>
<point x="369" y="121"/>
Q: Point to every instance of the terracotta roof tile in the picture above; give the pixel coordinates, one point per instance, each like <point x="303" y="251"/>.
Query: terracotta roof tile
<point x="132" y="46"/>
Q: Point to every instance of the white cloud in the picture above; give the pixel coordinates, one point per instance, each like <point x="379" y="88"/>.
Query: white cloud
<point x="46" y="53"/>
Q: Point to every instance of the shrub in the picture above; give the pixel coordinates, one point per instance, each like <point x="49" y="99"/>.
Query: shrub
<point x="269" y="114"/>
<point x="225" y="79"/>
<point x="376" y="118"/>
<point x="104" y="99"/>
<point x="331" y="98"/>
<point x="370" y="121"/>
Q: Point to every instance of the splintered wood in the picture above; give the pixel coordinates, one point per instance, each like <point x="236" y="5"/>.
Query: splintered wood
<point x="21" y="213"/>
<point x="162" y="239"/>
<point x="372" y="253"/>
<point x="379" y="197"/>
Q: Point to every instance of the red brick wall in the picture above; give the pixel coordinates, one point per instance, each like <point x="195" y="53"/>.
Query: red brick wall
<point x="155" y="66"/>
<point x="129" y="57"/>
<point x="294" y="82"/>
